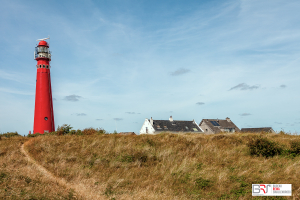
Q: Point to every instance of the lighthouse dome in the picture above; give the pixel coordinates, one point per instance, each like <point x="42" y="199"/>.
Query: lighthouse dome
<point x="43" y="43"/>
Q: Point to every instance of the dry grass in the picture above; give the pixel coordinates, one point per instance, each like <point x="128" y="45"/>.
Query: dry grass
<point x="165" y="166"/>
<point x="19" y="179"/>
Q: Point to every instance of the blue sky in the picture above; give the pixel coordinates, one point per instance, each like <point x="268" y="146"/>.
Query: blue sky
<point x="115" y="63"/>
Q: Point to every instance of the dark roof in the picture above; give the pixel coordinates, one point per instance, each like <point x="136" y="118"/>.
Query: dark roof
<point x="263" y="129"/>
<point x="175" y="126"/>
<point x="223" y="124"/>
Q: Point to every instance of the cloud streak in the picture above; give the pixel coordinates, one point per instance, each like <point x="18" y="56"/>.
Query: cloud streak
<point x="118" y="119"/>
<point x="244" y="86"/>
<point x="180" y="71"/>
<point x="72" y="97"/>
<point x="282" y="86"/>
<point x="80" y="114"/>
<point x="200" y="103"/>
<point x="245" y="114"/>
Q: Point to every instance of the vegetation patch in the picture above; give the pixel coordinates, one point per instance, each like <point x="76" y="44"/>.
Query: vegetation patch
<point x="9" y="134"/>
<point x="163" y="166"/>
<point x="203" y="183"/>
<point x="263" y="147"/>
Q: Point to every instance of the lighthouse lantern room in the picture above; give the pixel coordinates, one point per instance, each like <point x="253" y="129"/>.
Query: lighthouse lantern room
<point x="43" y="112"/>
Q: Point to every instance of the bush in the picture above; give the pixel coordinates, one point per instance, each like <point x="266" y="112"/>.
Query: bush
<point x="92" y="131"/>
<point x="64" y="129"/>
<point x="295" y="147"/>
<point x="34" y="135"/>
<point x="264" y="147"/>
<point x="9" y="134"/>
<point x="79" y="132"/>
<point x="51" y="133"/>
<point x="89" y="131"/>
<point x="101" y="131"/>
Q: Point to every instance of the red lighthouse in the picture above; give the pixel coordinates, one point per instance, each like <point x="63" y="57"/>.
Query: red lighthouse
<point x="43" y="112"/>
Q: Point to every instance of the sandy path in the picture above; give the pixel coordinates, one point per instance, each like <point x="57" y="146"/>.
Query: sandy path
<point x="80" y="189"/>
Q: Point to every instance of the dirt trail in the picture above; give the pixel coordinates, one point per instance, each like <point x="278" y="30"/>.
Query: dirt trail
<point x="79" y="189"/>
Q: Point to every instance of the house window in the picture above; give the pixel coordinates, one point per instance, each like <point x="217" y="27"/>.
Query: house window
<point x="187" y="128"/>
<point x="165" y="127"/>
<point x="206" y="130"/>
<point x="146" y="129"/>
<point x="158" y="127"/>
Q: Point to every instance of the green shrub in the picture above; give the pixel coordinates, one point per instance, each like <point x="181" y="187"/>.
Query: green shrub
<point x="9" y="134"/>
<point x="34" y="135"/>
<point x="203" y="183"/>
<point x="79" y="132"/>
<point x="264" y="147"/>
<point x="101" y="131"/>
<point x="51" y="133"/>
<point x="64" y="129"/>
<point x="199" y="166"/>
<point x="295" y="147"/>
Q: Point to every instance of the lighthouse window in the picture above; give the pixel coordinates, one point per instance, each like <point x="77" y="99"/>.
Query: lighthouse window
<point x="42" y="49"/>
<point x="43" y="66"/>
<point x="46" y="118"/>
<point x="40" y="66"/>
<point x="47" y="66"/>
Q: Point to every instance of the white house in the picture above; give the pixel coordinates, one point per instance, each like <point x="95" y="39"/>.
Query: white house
<point x="151" y="126"/>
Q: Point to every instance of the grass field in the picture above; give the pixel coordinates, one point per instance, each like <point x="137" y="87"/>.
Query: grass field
<point x="164" y="166"/>
<point x="20" y="179"/>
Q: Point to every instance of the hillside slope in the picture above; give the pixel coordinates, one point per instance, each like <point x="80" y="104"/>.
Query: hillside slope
<point x="19" y="179"/>
<point x="166" y="166"/>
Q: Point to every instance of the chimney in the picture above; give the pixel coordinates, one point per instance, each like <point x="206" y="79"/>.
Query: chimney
<point x="151" y="121"/>
<point x="171" y="119"/>
<point x="228" y="119"/>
